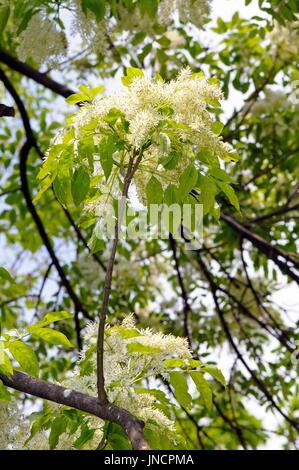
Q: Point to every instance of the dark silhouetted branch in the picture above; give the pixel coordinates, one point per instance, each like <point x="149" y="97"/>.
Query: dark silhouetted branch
<point x="30" y="72"/>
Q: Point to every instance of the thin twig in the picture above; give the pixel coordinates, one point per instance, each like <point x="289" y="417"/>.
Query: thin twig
<point x="132" y="167"/>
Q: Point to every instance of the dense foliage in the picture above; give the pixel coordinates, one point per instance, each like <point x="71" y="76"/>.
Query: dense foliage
<point x="156" y="102"/>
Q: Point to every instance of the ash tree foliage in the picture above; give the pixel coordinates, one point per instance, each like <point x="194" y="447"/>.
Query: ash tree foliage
<point x="138" y="343"/>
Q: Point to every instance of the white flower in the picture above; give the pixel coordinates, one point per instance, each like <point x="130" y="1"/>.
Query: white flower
<point x="159" y="117"/>
<point x="285" y="41"/>
<point x="42" y="41"/>
<point x="175" y="38"/>
<point x="13" y="426"/>
<point x="188" y="11"/>
<point x="93" y="33"/>
<point x="123" y="368"/>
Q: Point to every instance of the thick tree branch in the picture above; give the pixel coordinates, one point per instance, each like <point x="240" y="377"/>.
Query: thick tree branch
<point x="6" y="110"/>
<point x="24" y="154"/>
<point x="30" y="72"/>
<point x="64" y="396"/>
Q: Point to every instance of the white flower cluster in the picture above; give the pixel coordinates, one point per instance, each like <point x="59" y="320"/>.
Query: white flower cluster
<point x="144" y="105"/>
<point x="188" y="11"/>
<point x="42" y="41"/>
<point x="93" y="34"/>
<point x="276" y="103"/>
<point x="90" y="272"/>
<point x="285" y="41"/>
<point x="13" y="426"/>
<point x="125" y="369"/>
<point x="169" y="11"/>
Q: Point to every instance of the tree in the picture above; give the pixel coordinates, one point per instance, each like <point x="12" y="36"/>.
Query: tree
<point x="168" y="341"/>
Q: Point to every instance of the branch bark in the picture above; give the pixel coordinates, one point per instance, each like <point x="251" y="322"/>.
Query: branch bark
<point x="86" y="403"/>
<point x="6" y="110"/>
<point x="30" y="72"/>
<point x="24" y="154"/>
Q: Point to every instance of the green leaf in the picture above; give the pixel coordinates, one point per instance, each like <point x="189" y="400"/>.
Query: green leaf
<point x="117" y="439"/>
<point x="220" y="174"/>
<point x="170" y="195"/>
<point x="25" y="356"/>
<point x="4" y="394"/>
<point x="193" y="363"/>
<point x="217" y="127"/>
<point x="230" y="193"/>
<point x="49" y="318"/>
<point x="170" y="161"/>
<point x="131" y="74"/>
<point x="58" y="427"/>
<point x="142" y="349"/>
<point x="208" y="191"/>
<point x="96" y="91"/>
<point x="107" y="149"/>
<point x="216" y="373"/>
<point x="5" y="363"/>
<point x="150" y="7"/>
<point x="158" y="440"/>
<point x="60" y="191"/>
<point x="4" y="15"/>
<point x="180" y="386"/>
<point x="4" y="274"/>
<point x="154" y="191"/>
<point x="52" y="336"/>
<point x="175" y="363"/>
<point x="203" y="387"/>
<point x="187" y="181"/>
<point x="96" y="6"/>
<point x="85" y="436"/>
<point x="80" y="185"/>
<point x="77" y="98"/>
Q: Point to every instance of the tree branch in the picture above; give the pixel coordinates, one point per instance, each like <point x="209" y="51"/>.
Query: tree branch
<point x="262" y="245"/>
<point x="29" y="144"/>
<point x="6" y="110"/>
<point x="64" y="396"/>
<point x="30" y="72"/>
<point x="132" y="167"/>
<point x="270" y="215"/>
<point x="257" y="380"/>
<point x="187" y="309"/>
